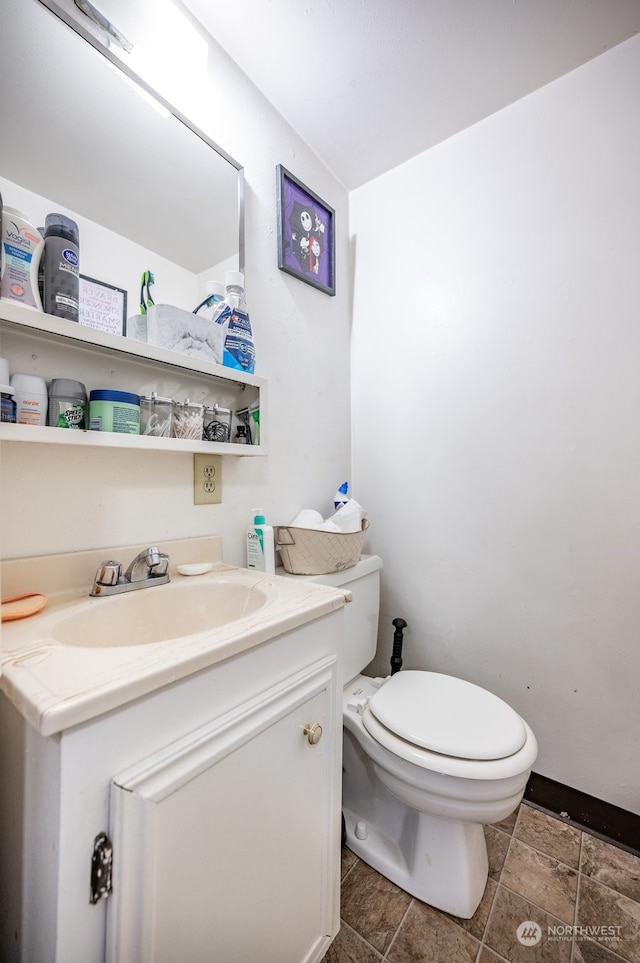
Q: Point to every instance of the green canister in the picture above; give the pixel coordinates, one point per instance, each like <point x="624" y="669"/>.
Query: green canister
<point x="117" y="411"/>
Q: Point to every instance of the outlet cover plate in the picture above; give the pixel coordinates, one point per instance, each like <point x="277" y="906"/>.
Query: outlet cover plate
<point x="207" y="479"/>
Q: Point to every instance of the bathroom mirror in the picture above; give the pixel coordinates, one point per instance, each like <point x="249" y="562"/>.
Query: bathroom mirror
<point x="76" y="133"/>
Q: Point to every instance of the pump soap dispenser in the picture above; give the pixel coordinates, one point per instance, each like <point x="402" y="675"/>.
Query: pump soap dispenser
<point x="260" y="545"/>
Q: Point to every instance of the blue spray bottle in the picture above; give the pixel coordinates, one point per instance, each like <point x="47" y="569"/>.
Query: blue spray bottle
<point x="341" y="497"/>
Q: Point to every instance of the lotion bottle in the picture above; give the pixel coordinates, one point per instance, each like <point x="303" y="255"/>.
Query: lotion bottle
<point x="260" y="545"/>
<point x="22" y="246"/>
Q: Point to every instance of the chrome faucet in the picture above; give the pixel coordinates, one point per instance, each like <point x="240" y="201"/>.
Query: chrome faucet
<point x="150" y="567"/>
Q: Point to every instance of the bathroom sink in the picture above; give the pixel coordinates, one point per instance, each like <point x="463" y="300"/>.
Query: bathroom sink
<point x="181" y="608"/>
<point x="82" y="656"/>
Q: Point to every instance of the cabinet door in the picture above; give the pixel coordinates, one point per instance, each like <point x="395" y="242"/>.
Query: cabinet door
<point x="226" y="844"/>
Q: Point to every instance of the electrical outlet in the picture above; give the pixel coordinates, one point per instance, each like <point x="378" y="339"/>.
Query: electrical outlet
<point x="207" y="479"/>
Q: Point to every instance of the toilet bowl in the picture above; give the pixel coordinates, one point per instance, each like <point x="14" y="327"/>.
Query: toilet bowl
<point x="428" y="760"/>
<point x="416" y="815"/>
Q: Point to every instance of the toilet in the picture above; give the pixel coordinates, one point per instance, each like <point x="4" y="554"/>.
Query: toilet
<point x="428" y="760"/>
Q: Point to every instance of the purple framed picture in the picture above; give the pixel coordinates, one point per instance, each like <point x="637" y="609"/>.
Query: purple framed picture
<point x="306" y="233"/>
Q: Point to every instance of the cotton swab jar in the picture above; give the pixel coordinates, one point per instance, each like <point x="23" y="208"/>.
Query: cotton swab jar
<point x="188" y="419"/>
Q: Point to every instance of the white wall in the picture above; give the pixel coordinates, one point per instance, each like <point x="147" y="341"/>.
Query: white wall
<point x="58" y="500"/>
<point x="496" y="403"/>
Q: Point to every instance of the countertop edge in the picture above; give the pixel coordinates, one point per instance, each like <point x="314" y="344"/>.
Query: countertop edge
<point x="65" y="712"/>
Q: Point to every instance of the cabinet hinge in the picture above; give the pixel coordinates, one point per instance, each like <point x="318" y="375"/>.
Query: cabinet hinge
<point x="101" y="867"/>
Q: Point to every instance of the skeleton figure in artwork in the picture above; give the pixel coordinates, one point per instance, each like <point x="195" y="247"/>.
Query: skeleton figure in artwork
<point x="307" y="232"/>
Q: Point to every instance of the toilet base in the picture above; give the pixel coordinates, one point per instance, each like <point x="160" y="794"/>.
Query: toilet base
<point x="439" y="861"/>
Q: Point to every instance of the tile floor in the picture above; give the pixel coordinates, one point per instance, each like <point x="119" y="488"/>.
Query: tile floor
<point x="540" y="869"/>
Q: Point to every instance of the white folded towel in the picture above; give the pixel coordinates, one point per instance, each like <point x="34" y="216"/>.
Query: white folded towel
<point x="349" y="517"/>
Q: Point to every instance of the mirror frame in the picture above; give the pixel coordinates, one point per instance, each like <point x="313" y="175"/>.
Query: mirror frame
<point x="79" y="28"/>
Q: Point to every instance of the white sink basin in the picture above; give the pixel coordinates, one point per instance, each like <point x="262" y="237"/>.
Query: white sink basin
<point x="82" y="656"/>
<point x="158" y="614"/>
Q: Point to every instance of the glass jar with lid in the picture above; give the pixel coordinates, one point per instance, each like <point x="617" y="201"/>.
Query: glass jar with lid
<point x="216" y="424"/>
<point x="156" y="415"/>
<point x="187" y="420"/>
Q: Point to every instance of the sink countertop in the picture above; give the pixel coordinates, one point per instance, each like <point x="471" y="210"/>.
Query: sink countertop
<point x="57" y="686"/>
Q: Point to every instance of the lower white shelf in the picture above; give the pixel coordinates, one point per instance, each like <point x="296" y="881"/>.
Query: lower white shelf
<point x="107" y="439"/>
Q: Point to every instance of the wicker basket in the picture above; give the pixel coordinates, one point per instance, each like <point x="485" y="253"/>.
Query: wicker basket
<point x="306" y="551"/>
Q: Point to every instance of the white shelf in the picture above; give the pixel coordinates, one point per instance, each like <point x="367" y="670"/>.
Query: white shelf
<point x="107" y="439"/>
<point x="52" y="347"/>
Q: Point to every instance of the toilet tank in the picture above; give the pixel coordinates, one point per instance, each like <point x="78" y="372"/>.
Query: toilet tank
<point x="361" y="615"/>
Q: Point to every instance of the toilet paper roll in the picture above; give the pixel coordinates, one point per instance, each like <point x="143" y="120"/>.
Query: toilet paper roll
<point x="307" y="518"/>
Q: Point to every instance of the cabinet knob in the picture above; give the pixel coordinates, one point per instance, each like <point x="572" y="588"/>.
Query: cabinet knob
<point x="313" y="732"/>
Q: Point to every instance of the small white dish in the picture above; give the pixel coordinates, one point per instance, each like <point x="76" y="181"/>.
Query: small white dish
<point x="195" y="568"/>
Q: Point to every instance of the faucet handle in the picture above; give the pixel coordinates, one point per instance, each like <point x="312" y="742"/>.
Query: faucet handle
<point x="108" y="573"/>
<point x="161" y="567"/>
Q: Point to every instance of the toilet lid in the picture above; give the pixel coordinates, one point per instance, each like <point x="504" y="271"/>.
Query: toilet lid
<point x="448" y="715"/>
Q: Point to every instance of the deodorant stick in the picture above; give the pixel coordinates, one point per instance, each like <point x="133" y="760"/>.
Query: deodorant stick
<point x="31" y="399"/>
<point x="61" y="267"/>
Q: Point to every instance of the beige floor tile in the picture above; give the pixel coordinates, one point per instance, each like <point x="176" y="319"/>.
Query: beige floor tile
<point x="478" y="922"/>
<point x="428" y="936"/>
<point x="348" y="947"/>
<point x="533" y="867"/>
<point x="612" y="866"/>
<point x="497" y="846"/>
<point x="541" y="880"/>
<point x="348" y="861"/>
<point x="488" y="956"/>
<point x="372" y="906"/>
<point x="509" y="911"/>
<point x="599" y="906"/>
<point x="549" y="835"/>
<point x="506" y="825"/>
<point x="587" y="952"/>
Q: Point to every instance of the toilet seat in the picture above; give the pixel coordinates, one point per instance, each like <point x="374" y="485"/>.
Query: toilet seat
<point x="444" y="715"/>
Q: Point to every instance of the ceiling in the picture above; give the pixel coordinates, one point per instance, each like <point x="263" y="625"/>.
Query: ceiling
<point x="369" y="84"/>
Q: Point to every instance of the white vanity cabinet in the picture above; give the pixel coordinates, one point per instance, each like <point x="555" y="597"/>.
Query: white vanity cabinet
<point x="225" y="836"/>
<point x="220" y="795"/>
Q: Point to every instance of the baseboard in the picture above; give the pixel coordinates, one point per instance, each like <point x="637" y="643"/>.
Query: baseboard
<point x="614" y="825"/>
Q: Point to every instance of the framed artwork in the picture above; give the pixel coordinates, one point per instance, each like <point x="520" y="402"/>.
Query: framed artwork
<point x="102" y="306"/>
<point x="306" y="233"/>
